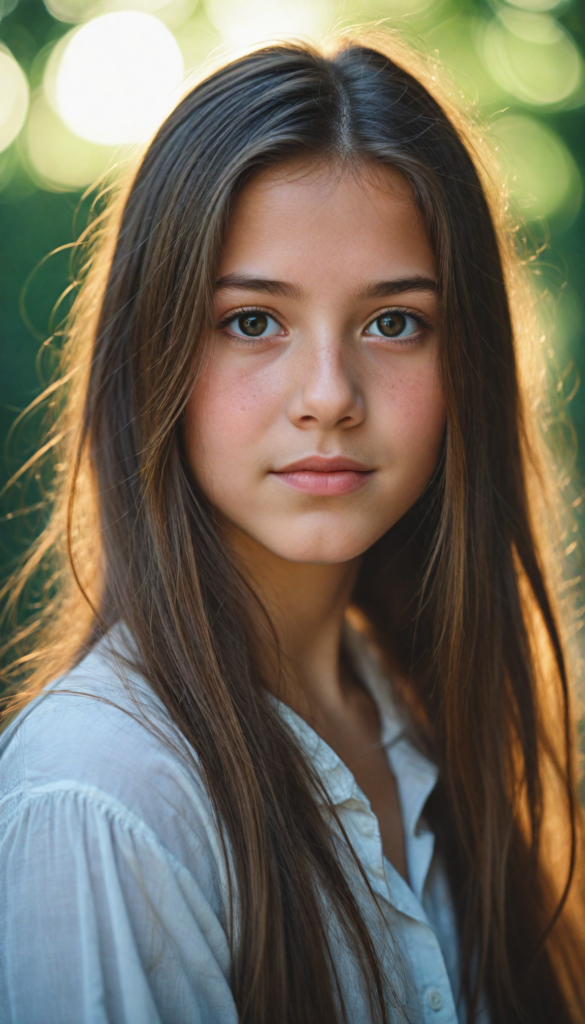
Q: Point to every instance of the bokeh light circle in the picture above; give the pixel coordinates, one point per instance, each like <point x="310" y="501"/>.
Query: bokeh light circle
<point x="457" y="42"/>
<point x="117" y="77"/>
<point x="532" y="57"/>
<point x="74" y="11"/>
<point x="537" y="5"/>
<point x="58" y="159"/>
<point x="71" y="10"/>
<point x="13" y="98"/>
<point x="391" y="9"/>
<point x="243" y="24"/>
<point x="543" y="177"/>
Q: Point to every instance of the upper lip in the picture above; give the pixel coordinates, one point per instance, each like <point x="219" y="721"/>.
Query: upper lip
<point x="324" y="464"/>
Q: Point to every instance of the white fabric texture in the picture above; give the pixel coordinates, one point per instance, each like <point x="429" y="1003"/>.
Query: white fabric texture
<point x="113" y="888"/>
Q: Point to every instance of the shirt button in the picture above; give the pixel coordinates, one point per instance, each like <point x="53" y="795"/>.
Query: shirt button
<point x="434" y="999"/>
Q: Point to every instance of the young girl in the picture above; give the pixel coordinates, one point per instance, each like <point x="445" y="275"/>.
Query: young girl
<point x="304" y="748"/>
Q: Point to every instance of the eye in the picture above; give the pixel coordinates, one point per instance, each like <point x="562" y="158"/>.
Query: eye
<point x="253" y="323"/>
<point x="394" y="324"/>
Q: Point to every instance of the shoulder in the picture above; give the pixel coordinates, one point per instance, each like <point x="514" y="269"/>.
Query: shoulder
<point x="112" y="882"/>
<point x="99" y="739"/>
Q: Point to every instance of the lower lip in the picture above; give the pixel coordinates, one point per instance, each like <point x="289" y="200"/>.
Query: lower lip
<point x="326" y="484"/>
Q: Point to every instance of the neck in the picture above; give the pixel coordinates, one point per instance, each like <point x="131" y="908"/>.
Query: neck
<point x="306" y="603"/>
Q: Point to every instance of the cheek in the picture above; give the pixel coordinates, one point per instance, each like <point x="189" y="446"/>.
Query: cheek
<point x="411" y="413"/>
<point x="422" y="410"/>
<point x="227" y="414"/>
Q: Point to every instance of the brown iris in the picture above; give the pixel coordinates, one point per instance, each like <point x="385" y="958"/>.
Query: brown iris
<point x="252" y="324"/>
<point x="391" y="324"/>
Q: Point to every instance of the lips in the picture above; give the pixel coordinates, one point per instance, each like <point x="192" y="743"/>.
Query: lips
<point x="325" y="477"/>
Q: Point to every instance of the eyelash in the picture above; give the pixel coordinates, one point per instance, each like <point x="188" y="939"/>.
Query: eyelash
<point x="419" y="317"/>
<point x="235" y="313"/>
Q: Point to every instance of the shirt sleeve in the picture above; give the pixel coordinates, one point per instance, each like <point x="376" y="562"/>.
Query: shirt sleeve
<point x="102" y="925"/>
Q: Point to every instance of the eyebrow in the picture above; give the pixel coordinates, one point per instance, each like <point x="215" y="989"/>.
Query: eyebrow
<point x="260" y="284"/>
<point x="379" y="289"/>
<point x="376" y="290"/>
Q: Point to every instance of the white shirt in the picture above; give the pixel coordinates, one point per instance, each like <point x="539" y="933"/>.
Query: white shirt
<point x="113" y="891"/>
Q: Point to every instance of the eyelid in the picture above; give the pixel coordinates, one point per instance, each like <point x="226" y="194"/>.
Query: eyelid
<point x="417" y="315"/>
<point x="240" y="310"/>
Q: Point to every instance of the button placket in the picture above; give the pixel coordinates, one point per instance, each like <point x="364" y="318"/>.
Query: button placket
<point x="401" y="905"/>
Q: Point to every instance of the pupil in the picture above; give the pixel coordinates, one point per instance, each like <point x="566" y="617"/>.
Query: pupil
<point x="253" y="324"/>
<point x="392" y="324"/>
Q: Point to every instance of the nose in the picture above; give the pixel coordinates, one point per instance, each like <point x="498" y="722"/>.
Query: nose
<point x="327" y="394"/>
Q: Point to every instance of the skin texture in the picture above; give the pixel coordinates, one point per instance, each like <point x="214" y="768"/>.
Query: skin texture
<point x="323" y="381"/>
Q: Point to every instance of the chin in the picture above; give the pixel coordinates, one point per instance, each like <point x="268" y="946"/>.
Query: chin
<point x="330" y="549"/>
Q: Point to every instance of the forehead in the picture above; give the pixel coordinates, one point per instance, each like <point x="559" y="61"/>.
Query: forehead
<point x="299" y="217"/>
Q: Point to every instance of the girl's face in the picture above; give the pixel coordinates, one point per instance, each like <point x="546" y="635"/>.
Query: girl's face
<point x="318" y="419"/>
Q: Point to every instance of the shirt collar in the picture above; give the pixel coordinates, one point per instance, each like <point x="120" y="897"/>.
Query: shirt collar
<point x="338" y="782"/>
<point x="416" y="775"/>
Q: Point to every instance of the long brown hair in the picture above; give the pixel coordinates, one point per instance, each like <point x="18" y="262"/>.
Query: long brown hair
<point x="456" y="593"/>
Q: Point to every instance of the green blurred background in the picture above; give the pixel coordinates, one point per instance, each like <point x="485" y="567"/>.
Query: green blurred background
<point x="82" y="81"/>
